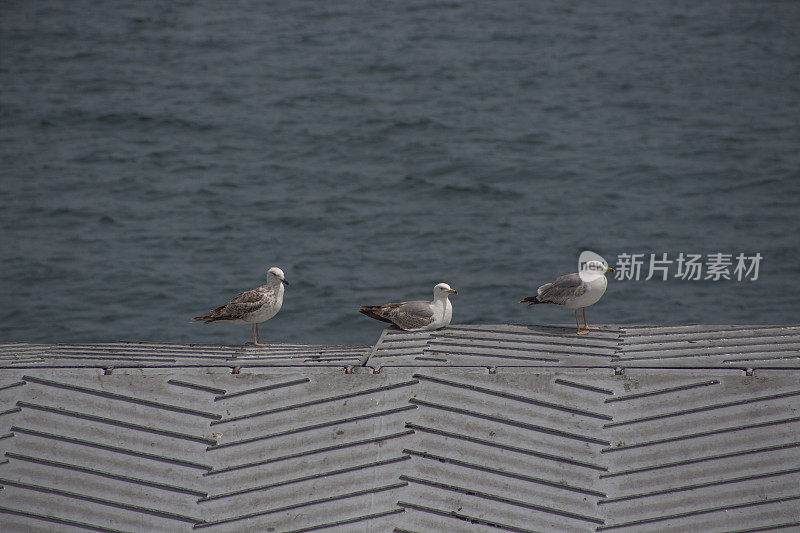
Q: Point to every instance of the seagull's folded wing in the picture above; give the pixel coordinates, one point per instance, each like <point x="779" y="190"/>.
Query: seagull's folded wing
<point x="565" y="288"/>
<point x="242" y="304"/>
<point x="412" y="315"/>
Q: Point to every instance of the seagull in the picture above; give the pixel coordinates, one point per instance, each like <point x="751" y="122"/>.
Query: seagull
<point x="418" y="315"/>
<point x="254" y="306"/>
<point x="575" y="291"/>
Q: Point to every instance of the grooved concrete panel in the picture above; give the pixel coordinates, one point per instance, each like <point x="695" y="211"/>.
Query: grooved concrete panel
<point x="611" y="346"/>
<point x="490" y="346"/>
<point x="594" y="441"/>
<point x="149" y="355"/>
<point x="711" y="346"/>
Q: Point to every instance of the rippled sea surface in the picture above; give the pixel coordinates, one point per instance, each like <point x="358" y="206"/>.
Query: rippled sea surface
<point x="158" y="157"/>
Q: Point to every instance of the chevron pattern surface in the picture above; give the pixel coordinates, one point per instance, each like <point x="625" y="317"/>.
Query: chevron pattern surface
<point x="471" y="428"/>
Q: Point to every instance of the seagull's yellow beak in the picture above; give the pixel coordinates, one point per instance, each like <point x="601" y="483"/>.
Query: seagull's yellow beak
<point x="609" y="269"/>
<point x="452" y="291"/>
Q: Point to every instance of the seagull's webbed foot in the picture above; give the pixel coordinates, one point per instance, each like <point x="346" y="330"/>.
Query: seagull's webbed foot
<point x="580" y="331"/>
<point x="586" y="325"/>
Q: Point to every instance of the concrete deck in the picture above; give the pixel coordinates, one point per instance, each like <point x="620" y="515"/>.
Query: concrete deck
<point x="470" y="428"/>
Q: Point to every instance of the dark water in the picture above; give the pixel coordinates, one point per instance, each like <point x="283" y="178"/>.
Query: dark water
<point x="158" y="157"/>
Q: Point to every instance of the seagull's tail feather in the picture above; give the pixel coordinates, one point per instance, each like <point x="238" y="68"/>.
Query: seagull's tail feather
<point x="531" y="300"/>
<point x="374" y="311"/>
<point x="205" y="319"/>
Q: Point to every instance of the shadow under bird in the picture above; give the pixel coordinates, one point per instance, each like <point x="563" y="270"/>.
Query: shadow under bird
<point x="252" y="307"/>
<point x="418" y="315"/>
<point x="575" y="291"/>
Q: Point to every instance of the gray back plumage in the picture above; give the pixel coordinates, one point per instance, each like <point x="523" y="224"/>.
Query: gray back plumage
<point x="406" y="315"/>
<point x="563" y="289"/>
<point x="413" y="315"/>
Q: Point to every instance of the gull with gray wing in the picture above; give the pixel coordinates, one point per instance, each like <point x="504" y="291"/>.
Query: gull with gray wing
<point x="575" y="291"/>
<point x="417" y="315"/>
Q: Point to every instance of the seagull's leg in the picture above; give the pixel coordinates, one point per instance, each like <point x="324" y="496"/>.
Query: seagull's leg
<point x="257" y="336"/>
<point x="580" y="331"/>
<point x="585" y="324"/>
